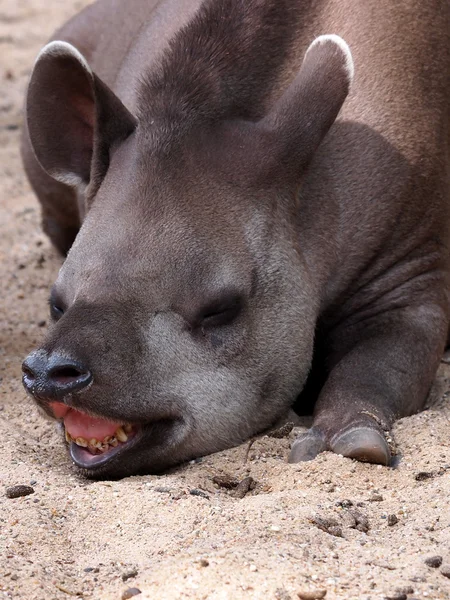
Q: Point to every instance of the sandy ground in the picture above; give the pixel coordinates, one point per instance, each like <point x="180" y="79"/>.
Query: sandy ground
<point x="181" y="535"/>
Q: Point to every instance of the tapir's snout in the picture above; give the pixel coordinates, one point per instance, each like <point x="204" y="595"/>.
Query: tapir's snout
<point x="53" y="376"/>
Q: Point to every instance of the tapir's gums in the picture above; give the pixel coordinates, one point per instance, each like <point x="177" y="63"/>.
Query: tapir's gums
<point x="254" y="218"/>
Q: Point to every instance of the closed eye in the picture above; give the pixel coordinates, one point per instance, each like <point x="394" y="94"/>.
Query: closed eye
<point x="56" y="307"/>
<point x="222" y="312"/>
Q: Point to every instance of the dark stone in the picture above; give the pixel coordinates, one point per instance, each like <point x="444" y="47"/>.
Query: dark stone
<point x="392" y="520"/>
<point x="423" y="475"/>
<point x="434" y="561"/>
<point x="197" y="492"/>
<point x="445" y="570"/>
<point x="130" y="592"/>
<point x="129" y="574"/>
<point x="16" y="491"/>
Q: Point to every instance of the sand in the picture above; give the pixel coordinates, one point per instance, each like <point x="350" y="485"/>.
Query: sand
<point x="322" y="526"/>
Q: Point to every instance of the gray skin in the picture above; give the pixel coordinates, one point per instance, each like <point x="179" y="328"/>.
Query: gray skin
<point x="241" y="250"/>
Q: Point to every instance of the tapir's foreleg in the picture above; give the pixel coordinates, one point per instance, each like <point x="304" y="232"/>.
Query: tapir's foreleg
<point x="59" y="202"/>
<point x="381" y="370"/>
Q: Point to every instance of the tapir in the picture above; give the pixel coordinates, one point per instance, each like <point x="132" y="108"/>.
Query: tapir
<point x="253" y="199"/>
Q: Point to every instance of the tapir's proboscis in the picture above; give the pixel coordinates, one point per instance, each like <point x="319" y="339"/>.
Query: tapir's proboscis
<point x="253" y="197"/>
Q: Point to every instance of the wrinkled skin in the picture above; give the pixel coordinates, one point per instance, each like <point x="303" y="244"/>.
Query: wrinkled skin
<point x="229" y="256"/>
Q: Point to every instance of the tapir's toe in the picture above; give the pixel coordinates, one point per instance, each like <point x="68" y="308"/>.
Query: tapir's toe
<point x="364" y="443"/>
<point x="307" y="446"/>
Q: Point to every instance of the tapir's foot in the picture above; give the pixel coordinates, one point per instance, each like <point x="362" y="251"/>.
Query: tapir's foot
<point x="363" y="443"/>
<point x="366" y="441"/>
<point x="307" y="446"/>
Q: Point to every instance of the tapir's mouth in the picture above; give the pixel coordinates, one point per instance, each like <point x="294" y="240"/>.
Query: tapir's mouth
<point x="93" y="441"/>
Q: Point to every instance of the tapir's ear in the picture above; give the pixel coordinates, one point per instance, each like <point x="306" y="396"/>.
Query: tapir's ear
<point x="73" y="117"/>
<point x="302" y="116"/>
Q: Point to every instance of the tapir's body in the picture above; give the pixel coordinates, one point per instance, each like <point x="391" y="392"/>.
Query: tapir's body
<point x="207" y="193"/>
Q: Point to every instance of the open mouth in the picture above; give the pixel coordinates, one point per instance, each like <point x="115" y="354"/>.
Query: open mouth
<point x="93" y="441"/>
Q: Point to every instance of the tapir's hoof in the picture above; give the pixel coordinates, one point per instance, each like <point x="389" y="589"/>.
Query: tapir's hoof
<point x="363" y="443"/>
<point x="307" y="446"/>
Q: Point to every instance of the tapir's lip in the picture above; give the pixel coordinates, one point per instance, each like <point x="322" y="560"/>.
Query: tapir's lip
<point x="153" y="433"/>
<point x="79" y="454"/>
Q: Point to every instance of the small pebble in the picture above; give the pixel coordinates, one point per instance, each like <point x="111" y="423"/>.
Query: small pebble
<point x="361" y="522"/>
<point x="423" y="475"/>
<point x="200" y="493"/>
<point x="16" y="491"/>
<point x="405" y="590"/>
<point x="203" y="562"/>
<point x="330" y="526"/>
<point x="375" y="497"/>
<point x="225" y="481"/>
<point x="392" y="520"/>
<point x="130" y="592"/>
<point x="445" y="570"/>
<point x="312" y="595"/>
<point x="344" y="503"/>
<point x="434" y="561"/>
<point x="129" y="574"/>
<point x="244" y="486"/>
<point x="396" y="596"/>
<point x="33" y="482"/>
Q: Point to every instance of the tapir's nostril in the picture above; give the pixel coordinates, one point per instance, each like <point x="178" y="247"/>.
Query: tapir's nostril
<point x="32" y="366"/>
<point x="66" y="373"/>
<point x="28" y="373"/>
<point x="53" y="376"/>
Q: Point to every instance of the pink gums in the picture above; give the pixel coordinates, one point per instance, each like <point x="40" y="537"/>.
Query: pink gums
<point x="80" y="424"/>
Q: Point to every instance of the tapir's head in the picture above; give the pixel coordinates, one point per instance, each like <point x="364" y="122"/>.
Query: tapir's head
<point x="184" y="314"/>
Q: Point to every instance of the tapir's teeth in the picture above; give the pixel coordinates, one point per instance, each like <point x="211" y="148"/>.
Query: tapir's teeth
<point x="128" y="428"/>
<point x="109" y="440"/>
<point x="81" y="442"/>
<point x="121" y="435"/>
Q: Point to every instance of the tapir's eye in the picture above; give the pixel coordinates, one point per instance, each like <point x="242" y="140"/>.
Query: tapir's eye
<point x="56" y="308"/>
<point x="56" y="312"/>
<point x="222" y="312"/>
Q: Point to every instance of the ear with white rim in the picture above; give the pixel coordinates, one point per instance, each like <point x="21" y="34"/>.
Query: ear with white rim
<point x="332" y="38"/>
<point x="73" y="118"/>
<point x="303" y="115"/>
